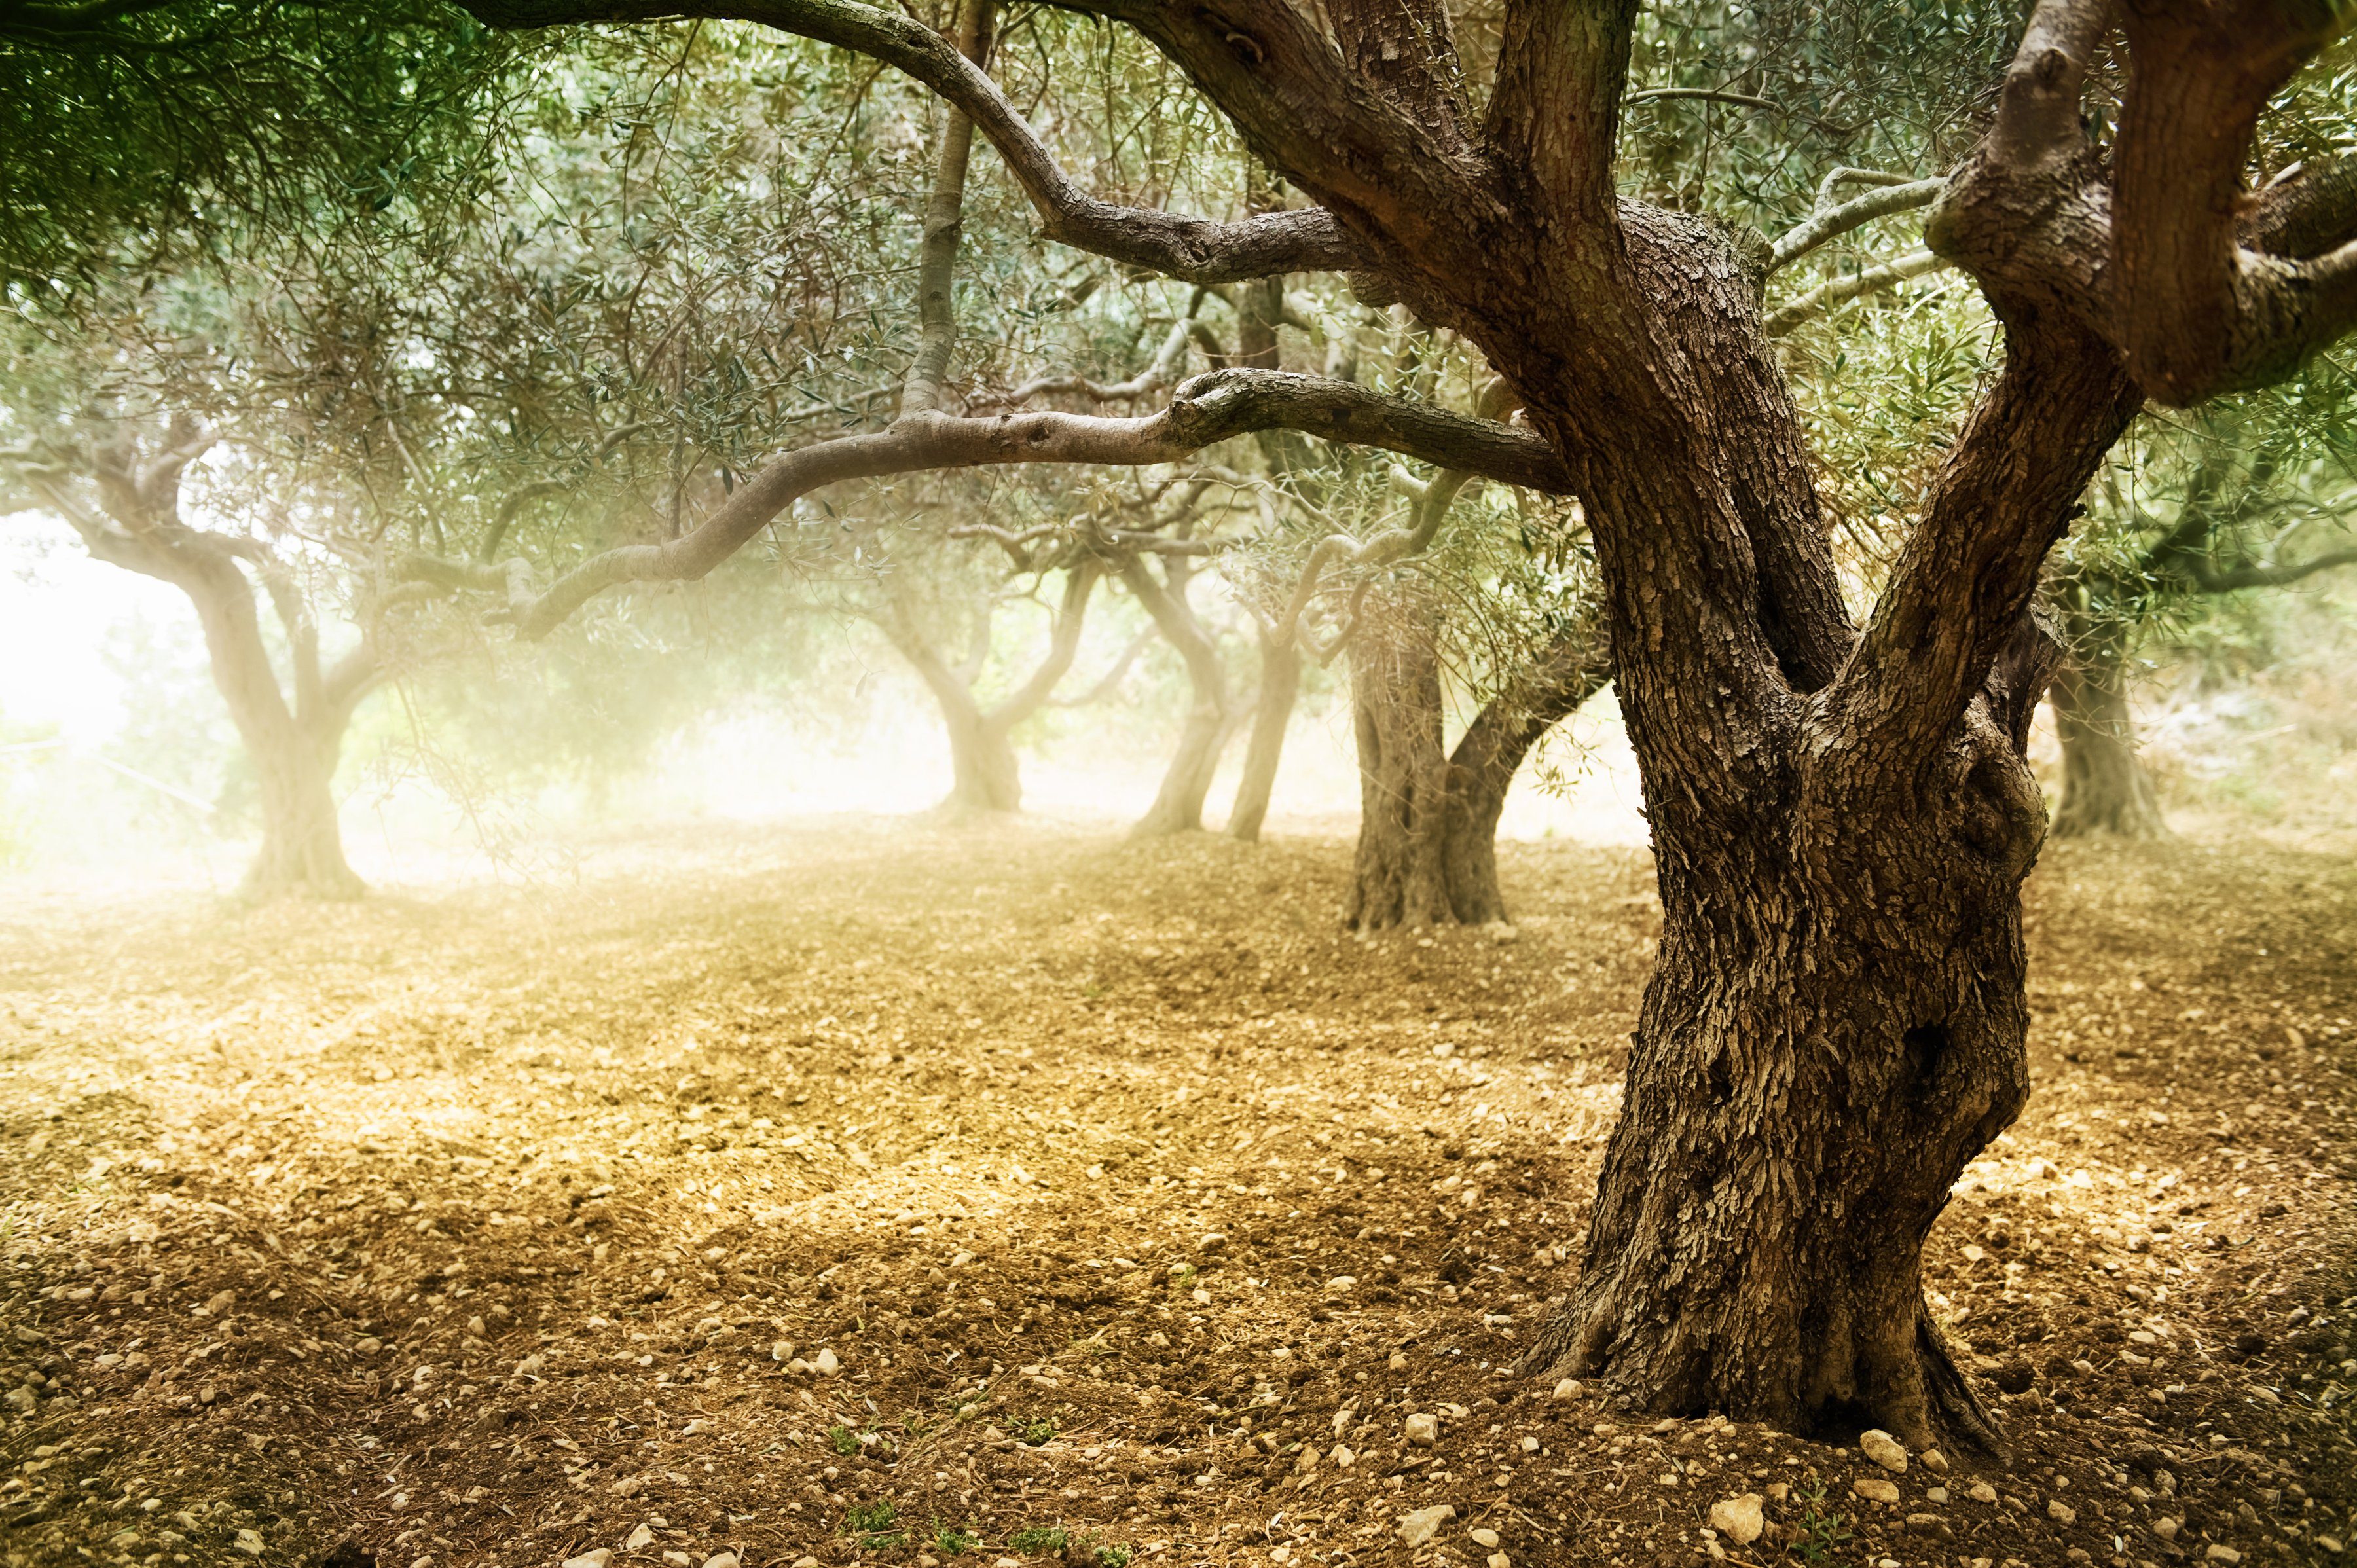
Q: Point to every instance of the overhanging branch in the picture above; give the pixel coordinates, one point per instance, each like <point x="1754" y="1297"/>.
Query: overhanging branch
<point x="1208" y="409"/>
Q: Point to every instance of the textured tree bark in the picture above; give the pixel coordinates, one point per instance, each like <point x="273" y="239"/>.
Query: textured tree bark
<point x="2106" y="788"/>
<point x="1280" y="689"/>
<point x="1396" y="874"/>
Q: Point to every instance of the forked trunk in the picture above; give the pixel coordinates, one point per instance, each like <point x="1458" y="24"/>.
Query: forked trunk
<point x="293" y="749"/>
<point x="1280" y="688"/>
<point x="2106" y="788"/>
<point x="1428" y="823"/>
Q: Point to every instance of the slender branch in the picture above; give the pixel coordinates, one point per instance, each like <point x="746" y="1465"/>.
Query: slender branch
<point x="2210" y="579"/>
<point x="1064" y="643"/>
<point x="944" y="226"/>
<point x="1197" y="250"/>
<point x="1112" y="677"/>
<point x="1828" y="296"/>
<point x="1829" y="223"/>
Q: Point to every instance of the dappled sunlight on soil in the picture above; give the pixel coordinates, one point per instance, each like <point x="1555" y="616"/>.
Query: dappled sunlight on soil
<point x="859" y="1192"/>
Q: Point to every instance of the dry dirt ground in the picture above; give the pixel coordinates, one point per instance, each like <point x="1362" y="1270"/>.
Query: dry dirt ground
<point x="873" y="1194"/>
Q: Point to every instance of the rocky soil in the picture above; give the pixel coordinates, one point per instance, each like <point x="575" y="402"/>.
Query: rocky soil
<point x="878" y="1195"/>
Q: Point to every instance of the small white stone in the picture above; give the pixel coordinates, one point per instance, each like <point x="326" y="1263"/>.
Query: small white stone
<point x="1936" y="1460"/>
<point x="1982" y="1492"/>
<point x="826" y="1366"/>
<point x="2330" y="1543"/>
<point x="598" y="1559"/>
<point x="642" y="1536"/>
<point x="250" y="1542"/>
<point x="1499" y="1559"/>
<point x="1568" y="1389"/>
<point x="2062" y="1513"/>
<point x="1343" y="1456"/>
<point x="2218" y="1553"/>
<point x="1398" y="1363"/>
<point x="1884" y="1450"/>
<point x="1875" y="1489"/>
<point x="2166" y="1528"/>
<point x="1423" y="1430"/>
<point x="721" y="1559"/>
<point x="1417" y="1528"/>
<point x="782" y="1350"/>
<point x="1210" y="1242"/>
<point x="1739" y="1519"/>
<point x="1485" y="1537"/>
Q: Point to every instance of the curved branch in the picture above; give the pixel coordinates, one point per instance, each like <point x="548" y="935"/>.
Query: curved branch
<point x="1197" y="250"/>
<point x="1828" y="296"/>
<point x="2211" y="580"/>
<point x="1829" y="223"/>
<point x="1208" y="409"/>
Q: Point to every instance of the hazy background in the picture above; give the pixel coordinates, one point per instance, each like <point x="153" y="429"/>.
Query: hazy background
<point x="2247" y="719"/>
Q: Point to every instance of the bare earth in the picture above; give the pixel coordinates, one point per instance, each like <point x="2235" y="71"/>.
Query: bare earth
<point x="1135" y="1208"/>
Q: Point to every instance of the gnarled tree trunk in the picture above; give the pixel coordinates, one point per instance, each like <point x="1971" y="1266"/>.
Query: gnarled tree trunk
<point x="1545" y="692"/>
<point x="2106" y="788"/>
<point x="1397" y="875"/>
<point x="292" y="742"/>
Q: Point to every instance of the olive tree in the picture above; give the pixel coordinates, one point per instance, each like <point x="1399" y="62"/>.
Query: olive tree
<point x="1841" y="807"/>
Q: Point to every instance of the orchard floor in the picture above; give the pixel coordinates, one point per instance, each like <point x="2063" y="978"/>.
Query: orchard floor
<point x="1119" y="1190"/>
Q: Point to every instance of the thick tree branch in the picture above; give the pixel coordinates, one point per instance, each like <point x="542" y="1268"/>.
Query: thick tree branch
<point x="1199" y="249"/>
<point x="2152" y="247"/>
<point x="1555" y="112"/>
<point x="1964" y="580"/>
<point x="2305" y="211"/>
<point x="1208" y="409"/>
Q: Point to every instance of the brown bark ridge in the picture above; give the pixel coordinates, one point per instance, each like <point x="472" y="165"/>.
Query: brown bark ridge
<point x="1428" y="847"/>
<point x="1842" y="815"/>
<point x="293" y="744"/>
<point x="2106" y="788"/>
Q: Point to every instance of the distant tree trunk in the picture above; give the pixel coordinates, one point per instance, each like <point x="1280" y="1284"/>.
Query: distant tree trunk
<point x="1550" y="687"/>
<point x="293" y="749"/>
<point x="1178" y="806"/>
<point x="1428" y="849"/>
<point x="1397" y="877"/>
<point x="1280" y="688"/>
<point x="294" y="743"/>
<point x="985" y="774"/>
<point x="2106" y="788"/>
